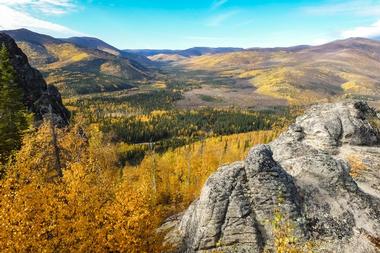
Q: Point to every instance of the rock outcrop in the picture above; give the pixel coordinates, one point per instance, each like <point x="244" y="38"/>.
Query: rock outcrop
<point x="306" y="175"/>
<point x="38" y="97"/>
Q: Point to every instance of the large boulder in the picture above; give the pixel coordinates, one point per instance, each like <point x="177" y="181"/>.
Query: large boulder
<point x="38" y="97"/>
<point x="305" y="175"/>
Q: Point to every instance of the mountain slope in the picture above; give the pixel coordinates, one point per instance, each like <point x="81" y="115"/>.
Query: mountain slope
<point x="95" y="43"/>
<point x="301" y="73"/>
<point x="80" y="65"/>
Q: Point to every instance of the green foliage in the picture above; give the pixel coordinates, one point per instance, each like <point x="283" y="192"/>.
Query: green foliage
<point x="194" y="124"/>
<point x="123" y="103"/>
<point x="207" y="98"/>
<point x="13" y="113"/>
<point x="171" y="129"/>
<point x="154" y="100"/>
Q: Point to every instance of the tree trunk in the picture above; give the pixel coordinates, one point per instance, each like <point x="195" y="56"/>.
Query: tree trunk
<point x="56" y="150"/>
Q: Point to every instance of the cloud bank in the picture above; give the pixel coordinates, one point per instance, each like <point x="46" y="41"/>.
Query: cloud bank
<point x="15" y="14"/>
<point x="370" y="31"/>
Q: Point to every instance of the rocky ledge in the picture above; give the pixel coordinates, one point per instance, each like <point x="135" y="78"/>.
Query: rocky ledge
<point x="38" y="96"/>
<point x="322" y="175"/>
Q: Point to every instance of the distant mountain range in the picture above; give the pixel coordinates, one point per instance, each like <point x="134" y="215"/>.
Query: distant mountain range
<point x="303" y="73"/>
<point x="195" y="51"/>
<point x="82" y="65"/>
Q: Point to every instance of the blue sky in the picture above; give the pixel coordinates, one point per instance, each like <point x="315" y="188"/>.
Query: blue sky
<point x="183" y="24"/>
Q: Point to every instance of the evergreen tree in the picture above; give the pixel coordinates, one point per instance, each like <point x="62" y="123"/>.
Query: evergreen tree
<point x="13" y="114"/>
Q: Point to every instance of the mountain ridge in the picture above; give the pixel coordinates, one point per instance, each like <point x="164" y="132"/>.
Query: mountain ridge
<point x="95" y="43"/>
<point x="339" y="68"/>
<point x="76" y="69"/>
<point x="194" y="51"/>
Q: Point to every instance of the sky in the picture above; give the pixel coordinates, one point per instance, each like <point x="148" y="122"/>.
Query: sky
<point x="180" y="24"/>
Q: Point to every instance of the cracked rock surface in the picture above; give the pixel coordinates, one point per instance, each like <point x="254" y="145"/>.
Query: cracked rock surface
<point x="310" y="168"/>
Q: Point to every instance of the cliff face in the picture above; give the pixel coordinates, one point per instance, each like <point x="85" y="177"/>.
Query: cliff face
<point x="308" y="174"/>
<point x="38" y="97"/>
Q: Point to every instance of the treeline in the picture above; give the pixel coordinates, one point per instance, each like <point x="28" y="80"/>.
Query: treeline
<point x="151" y="121"/>
<point x="195" y="124"/>
<point x="14" y="117"/>
<point x="100" y="107"/>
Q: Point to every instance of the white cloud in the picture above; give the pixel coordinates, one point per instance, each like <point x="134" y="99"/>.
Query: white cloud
<point x="363" y="31"/>
<point x="353" y="7"/>
<point x="47" y="7"/>
<point x="15" y="14"/>
<point x="13" y="19"/>
<point x="219" y="19"/>
<point x="319" y="41"/>
<point x="218" y="3"/>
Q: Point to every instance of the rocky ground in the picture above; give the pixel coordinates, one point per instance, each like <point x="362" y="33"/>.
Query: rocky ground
<point x="323" y="175"/>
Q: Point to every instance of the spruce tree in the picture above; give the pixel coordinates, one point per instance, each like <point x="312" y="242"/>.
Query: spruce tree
<point x="13" y="113"/>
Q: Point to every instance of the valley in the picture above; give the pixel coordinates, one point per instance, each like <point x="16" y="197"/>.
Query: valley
<point x="299" y="75"/>
<point x="123" y="155"/>
<point x="257" y="78"/>
<point x="137" y="97"/>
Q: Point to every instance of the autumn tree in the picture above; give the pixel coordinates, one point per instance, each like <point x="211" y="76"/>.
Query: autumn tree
<point x="91" y="208"/>
<point x="13" y="112"/>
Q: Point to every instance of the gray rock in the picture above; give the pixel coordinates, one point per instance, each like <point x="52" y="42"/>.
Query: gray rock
<point x="38" y="97"/>
<point x="305" y="174"/>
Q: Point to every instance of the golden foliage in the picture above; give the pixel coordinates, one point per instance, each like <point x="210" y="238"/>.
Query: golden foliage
<point x="285" y="240"/>
<point x="160" y="85"/>
<point x="66" y="53"/>
<point x="284" y="234"/>
<point x="90" y="209"/>
<point x="97" y="206"/>
<point x="177" y="176"/>
<point x="357" y="165"/>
